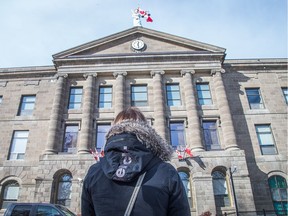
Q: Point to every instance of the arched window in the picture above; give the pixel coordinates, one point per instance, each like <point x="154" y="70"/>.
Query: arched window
<point x="278" y="188"/>
<point x="185" y="180"/>
<point x="64" y="188"/>
<point x="220" y="189"/>
<point x="9" y="193"/>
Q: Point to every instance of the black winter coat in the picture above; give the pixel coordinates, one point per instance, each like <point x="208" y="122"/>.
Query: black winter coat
<point x="109" y="184"/>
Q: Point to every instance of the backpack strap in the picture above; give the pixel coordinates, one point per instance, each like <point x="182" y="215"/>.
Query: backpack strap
<point x="134" y="195"/>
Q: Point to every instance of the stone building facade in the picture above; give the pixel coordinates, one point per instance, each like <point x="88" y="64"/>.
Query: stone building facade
<point x="232" y="114"/>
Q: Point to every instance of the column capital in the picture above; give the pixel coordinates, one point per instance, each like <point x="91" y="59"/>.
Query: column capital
<point x="89" y="74"/>
<point x="184" y="71"/>
<point x="154" y="72"/>
<point x="117" y="73"/>
<point x="61" y="75"/>
<point x="217" y="71"/>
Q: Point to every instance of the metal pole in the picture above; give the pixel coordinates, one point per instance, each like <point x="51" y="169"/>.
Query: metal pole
<point x="234" y="194"/>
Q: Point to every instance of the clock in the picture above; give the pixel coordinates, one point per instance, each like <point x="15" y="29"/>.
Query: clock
<point x="138" y="45"/>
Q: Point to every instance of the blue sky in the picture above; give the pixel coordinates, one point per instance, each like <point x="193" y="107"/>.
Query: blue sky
<point x="33" y="30"/>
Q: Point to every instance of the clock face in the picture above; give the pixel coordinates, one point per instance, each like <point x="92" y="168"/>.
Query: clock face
<point x="138" y="44"/>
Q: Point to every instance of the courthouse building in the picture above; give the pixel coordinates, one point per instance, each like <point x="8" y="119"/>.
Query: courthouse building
<point x="231" y="113"/>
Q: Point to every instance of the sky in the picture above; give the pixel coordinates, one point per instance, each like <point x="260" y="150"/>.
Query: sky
<point x="31" y="31"/>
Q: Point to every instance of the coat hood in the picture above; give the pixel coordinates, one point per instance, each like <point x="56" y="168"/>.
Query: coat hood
<point x="132" y="147"/>
<point x="146" y="135"/>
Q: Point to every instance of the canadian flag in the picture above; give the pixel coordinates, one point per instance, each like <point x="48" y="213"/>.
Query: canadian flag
<point x="145" y="14"/>
<point x="179" y="154"/>
<point x="188" y="151"/>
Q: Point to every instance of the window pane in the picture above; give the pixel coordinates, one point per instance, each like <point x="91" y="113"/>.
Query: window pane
<point x="139" y="96"/>
<point x="46" y="211"/>
<point x="21" y="210"/>
<point x="173" y="95"/>
<point x="70" y="138"/>
<point x="75" y="98"/>
<point x="211" y="135"/>
<point x="11" y="192"/>
<point x="106" y="90"/>
<point x="76" y="91"/>
<point x="254" y="98"/>
<point x="101" y="133"/>
<point x="204" y="95"/>
<point x="268" y="150"/>
<point x="1" y="99"/>
<point x="18" y="145"/>
<point x="139" y="88"/>
<point x="27" y="105"/>
<point x="177" y="135"/>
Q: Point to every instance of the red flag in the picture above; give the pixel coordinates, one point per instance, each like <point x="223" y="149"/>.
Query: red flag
<point x="149" y="19"/>
<point x="179" y="154"/>
<point x="188" y="151"/>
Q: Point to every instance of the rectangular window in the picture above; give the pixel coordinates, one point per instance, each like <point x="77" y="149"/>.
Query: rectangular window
<point x="105" y="97"/>
<point x="177" y="135"/>
<point x="173" y="95"/>
<point x="18" y="145"/>
<point x="1" y="99"/>
<point x="211" y="135"/>
<point x="75" y="98"/>
<point x="254" y="98"/>
<point x="26" y="105"/>
<point x="139" y="96"/>
<point x="204" y="95"/>
<point x="101" y="132"/>
<point x="70" y="138"/>
<point x="285" y="93"/>
<point x="266" y="140"/>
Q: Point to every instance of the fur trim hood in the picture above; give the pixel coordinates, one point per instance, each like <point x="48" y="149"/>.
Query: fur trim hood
<point x="146" y="135"/>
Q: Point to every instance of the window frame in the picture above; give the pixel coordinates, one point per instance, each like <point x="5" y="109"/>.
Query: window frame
<point x="14" y="144"/>
<point x="260" y="105"/>
<point x="285" y="94"/>
<point x="206" y="144"/>
<point x="203" y="98"/>
<point x="134" y="102"/>
<point x="5" y="202"/>
<point x="178" y="147"/>
<point x="261" y="141"/>
<point x="105" y="102"/>
<point x="75" y="103"/>
<point x="278" y="189"/>
<point x="58" y="184"/>
<point x="227" y="195"/>
<point x="97" y="134"/>
<point x="26" y="112"/>
<point x="73" y="148"/>
<point x="173" y="99"/>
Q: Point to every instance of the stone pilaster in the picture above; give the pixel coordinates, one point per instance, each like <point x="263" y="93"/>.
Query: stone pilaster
<point x="56" y="114"/>
<point x="158" y="100"/>
<point x="224" y="109"/>
<point x="87" y="116"/>
<point x="119" y="91"/>
<point x="194" y="140"/>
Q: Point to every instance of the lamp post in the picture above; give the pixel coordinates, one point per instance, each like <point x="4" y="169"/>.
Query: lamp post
<point x="233" y="188"/>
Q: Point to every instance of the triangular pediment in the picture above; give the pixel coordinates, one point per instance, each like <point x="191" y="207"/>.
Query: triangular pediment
<point x="120" y="44"/>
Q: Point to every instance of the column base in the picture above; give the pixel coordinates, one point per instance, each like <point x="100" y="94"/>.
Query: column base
<point x="50" y="152"/>
<point x="197" y="149"/>
<point x="232" y="148"/>
<point x="83" y="151"/>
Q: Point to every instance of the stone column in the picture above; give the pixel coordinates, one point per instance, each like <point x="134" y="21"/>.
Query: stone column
<point x="194" y="140"/>
<point x="56" y="116"/>
<point x="87" y="114"/>
<point x="159" y="107"/>
<point x="119" y="91"/>
<point x="224" y="109"/>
